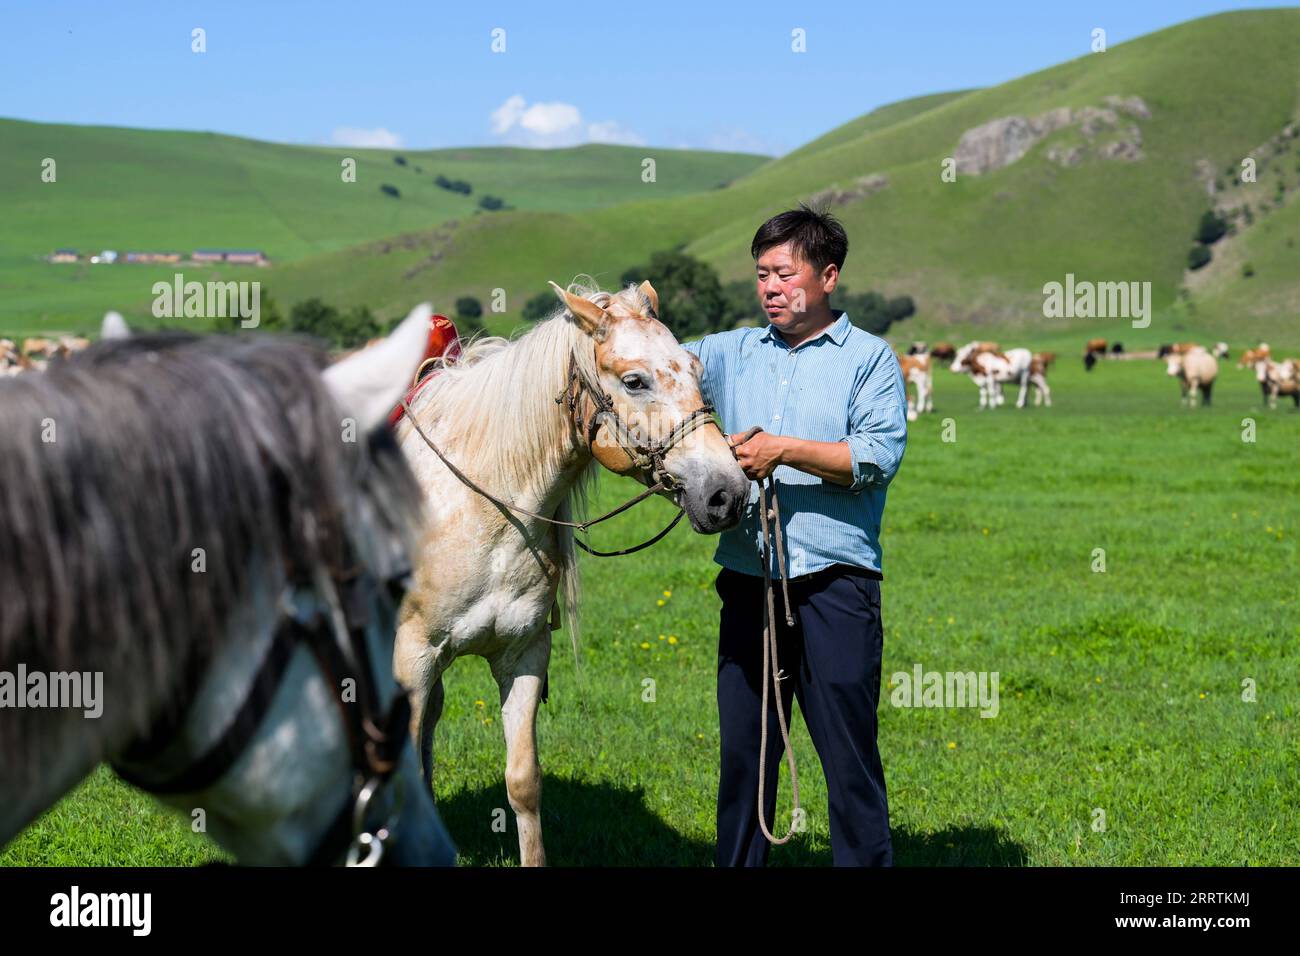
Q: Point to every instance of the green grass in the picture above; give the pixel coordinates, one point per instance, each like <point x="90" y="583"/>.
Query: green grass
<point x="1119" y="690"/>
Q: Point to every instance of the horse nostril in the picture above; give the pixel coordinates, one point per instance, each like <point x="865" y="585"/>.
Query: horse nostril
<point x="720" y="500"/>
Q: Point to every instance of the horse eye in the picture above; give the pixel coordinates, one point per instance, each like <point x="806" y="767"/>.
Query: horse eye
<point x="634" y="383"/>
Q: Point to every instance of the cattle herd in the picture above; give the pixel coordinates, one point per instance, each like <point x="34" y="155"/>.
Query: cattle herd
<point x="36" y="353"/>
<point x="988" y="366"/>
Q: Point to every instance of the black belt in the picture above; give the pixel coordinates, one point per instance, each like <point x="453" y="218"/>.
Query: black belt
<point x="836" y="570"/>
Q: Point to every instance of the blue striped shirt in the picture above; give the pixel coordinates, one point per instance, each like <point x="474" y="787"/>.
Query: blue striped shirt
<point x="844" y="384"/>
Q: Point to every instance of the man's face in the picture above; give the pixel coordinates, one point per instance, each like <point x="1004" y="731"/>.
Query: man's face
<point x="790" y="289"/>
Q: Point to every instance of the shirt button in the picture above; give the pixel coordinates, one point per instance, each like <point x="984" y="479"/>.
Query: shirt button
<point x="784" y="382"/>
<point x="776" y="418"/>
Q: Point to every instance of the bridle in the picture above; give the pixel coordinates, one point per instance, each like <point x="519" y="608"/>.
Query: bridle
<point x="328" y="613"/>
<point x="646" y="456"/>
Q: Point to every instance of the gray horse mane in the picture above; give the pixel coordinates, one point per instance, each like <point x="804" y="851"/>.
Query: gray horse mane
<point x="117" y="464"/>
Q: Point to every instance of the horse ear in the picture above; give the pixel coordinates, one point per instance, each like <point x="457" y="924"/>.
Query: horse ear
<point x="114" y="327"/>
<point x="367" y="384"/>
<point x="591" y="318"/>
<point x="649" y="292"/>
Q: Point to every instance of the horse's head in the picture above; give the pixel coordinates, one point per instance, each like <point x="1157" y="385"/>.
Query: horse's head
<point x="249" y="540"/>
<point x="656" y="426"/>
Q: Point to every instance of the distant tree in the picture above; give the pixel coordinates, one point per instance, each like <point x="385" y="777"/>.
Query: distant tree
<point x="900" y="308"/>
<point x="1198" y="257"/>
<point x="453" y="185"/>
<point x="540" y="306"/>
<point x="691" y="301"/>
<point x="356" y="327"/>
<point x="400" y="160"/>
<point x="491" y="203"/>
<point x="871" y="310"/>
<point x="314" y="317"/>
<point x="345" y="330"/>
<point x="1211" y="228"/>
<point x="741" y="303"/>
<point x="468" y="307"/>
<point x="269" y="319"/>
<point x="390" y="190"/>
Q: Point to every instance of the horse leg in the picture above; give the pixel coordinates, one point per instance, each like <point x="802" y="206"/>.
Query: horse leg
<point x="430" y="712"/>
<point x="415" y="665"/>
<point x="520" y="681"/>
<point x="1024" y="389"/>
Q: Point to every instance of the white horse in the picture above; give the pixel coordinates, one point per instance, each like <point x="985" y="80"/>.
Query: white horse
<point x="520" y="419"/>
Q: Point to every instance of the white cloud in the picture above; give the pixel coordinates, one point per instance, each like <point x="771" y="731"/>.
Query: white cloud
<point x="377" y="138"/>
<point x="507" y="115"/>
<point x="554" y="124"/>
<point x="551" y="119"/>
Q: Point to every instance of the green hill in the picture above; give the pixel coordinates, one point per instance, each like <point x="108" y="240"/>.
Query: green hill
<point x="974" y="253"/>
<point x="1099" y="167"/>
<point x="125" y="189"/>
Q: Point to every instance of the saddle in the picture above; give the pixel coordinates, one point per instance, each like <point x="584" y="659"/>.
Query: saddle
<point x="443" y="344"/>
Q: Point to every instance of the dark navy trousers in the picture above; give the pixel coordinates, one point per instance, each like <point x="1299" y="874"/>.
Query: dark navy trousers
<point x="832" y="657"/>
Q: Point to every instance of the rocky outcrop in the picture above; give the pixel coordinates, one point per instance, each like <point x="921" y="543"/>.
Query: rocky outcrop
<point x="1003" y="141"/>
<point x="841" y="196"/>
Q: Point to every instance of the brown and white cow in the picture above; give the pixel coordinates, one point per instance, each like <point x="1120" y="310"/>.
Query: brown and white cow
<point x="1278" y="378"/>
<point x="916" y="372"/>
<point x="990" y="368"/>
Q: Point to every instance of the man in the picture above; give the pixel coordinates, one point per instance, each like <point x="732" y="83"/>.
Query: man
<point x="830" y="399"/>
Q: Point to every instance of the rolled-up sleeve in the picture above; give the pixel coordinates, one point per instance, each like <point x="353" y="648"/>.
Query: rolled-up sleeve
<point x="878" y="424"/>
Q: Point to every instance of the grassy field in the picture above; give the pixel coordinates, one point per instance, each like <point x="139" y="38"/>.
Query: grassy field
<point x="1120" y="691"/>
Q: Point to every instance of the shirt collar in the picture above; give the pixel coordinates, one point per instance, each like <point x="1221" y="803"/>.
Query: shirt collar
<point x="836" y="331"/>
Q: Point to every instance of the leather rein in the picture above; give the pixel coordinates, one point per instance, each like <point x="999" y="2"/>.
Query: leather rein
<point x="647" y="457"/>
<point x="334" y="631"/>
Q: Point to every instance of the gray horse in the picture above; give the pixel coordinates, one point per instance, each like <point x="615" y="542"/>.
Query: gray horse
<point x="203" y="545"/>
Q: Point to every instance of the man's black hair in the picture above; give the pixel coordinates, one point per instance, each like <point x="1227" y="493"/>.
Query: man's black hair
<point x="815" y="236"/>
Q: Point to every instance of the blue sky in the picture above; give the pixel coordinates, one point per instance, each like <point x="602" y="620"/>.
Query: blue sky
<point x="422" y="75"/>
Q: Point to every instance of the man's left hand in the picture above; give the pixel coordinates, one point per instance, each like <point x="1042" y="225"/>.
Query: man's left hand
<point x="759" y="456"/>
